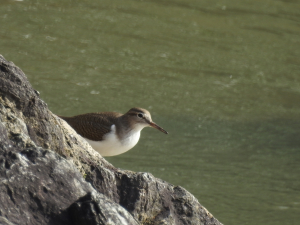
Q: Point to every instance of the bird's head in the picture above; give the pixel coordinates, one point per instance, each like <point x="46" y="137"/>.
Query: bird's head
<point x="142" y="118"/>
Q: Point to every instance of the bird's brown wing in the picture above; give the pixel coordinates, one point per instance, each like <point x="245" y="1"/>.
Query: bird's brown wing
<point x="92" y="126"/>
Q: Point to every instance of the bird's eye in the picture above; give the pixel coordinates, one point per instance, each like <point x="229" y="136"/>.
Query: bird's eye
<point x="140" y="115"/>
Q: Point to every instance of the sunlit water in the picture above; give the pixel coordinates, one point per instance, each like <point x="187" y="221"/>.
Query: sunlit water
<point x="221" y="76"/>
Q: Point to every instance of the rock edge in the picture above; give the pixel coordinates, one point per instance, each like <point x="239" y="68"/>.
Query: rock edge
<point x="50" y="175"/>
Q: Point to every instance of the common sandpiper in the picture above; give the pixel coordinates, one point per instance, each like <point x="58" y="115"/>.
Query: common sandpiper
<point x="111" y="133"/>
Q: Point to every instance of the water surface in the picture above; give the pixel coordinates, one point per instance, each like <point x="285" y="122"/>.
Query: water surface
<point x="221" y="76"/>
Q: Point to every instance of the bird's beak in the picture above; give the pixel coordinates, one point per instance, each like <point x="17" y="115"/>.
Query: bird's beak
<point x="154" y="125"/>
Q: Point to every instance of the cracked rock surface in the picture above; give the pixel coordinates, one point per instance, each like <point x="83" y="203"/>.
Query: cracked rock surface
<point x="50" y="175"/>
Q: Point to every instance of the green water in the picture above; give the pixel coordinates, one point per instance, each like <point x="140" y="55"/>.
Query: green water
<point x="221" y="76"/>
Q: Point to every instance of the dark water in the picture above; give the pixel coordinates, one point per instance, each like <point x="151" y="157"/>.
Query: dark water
<point x="221" y="76"/>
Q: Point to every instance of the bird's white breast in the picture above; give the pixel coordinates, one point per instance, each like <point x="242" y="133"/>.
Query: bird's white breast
<point x="111" y="145"/>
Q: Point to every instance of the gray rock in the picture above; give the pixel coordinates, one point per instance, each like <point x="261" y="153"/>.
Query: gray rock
<point x="4" y="221"/>
<point x="95" y="209"/>
<point x="50" y="175"/>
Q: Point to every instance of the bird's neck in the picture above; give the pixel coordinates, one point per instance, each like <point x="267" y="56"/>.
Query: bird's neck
<point x="127" y="127"/>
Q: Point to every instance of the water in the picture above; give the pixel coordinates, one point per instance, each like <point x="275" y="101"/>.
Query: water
<point x="221" y="76"/>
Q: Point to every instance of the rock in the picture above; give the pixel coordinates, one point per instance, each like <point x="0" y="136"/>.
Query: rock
<point x="50" y="175"/>
<point x="95" y="209"/>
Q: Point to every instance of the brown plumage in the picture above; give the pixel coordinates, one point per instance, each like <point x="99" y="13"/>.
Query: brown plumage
<point x="93" y="126"/>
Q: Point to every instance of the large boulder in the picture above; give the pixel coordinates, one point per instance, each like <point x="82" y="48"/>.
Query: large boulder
<point x="50" y="175"/>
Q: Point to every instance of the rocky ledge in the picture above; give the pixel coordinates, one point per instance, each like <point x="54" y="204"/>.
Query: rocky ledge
<point x="50" y="175"/>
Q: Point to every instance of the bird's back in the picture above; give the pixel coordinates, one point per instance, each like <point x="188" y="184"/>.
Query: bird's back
<point x="93" y="126"/>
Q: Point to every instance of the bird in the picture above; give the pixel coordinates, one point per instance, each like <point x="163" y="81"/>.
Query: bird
<point x="112" y="133"/>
